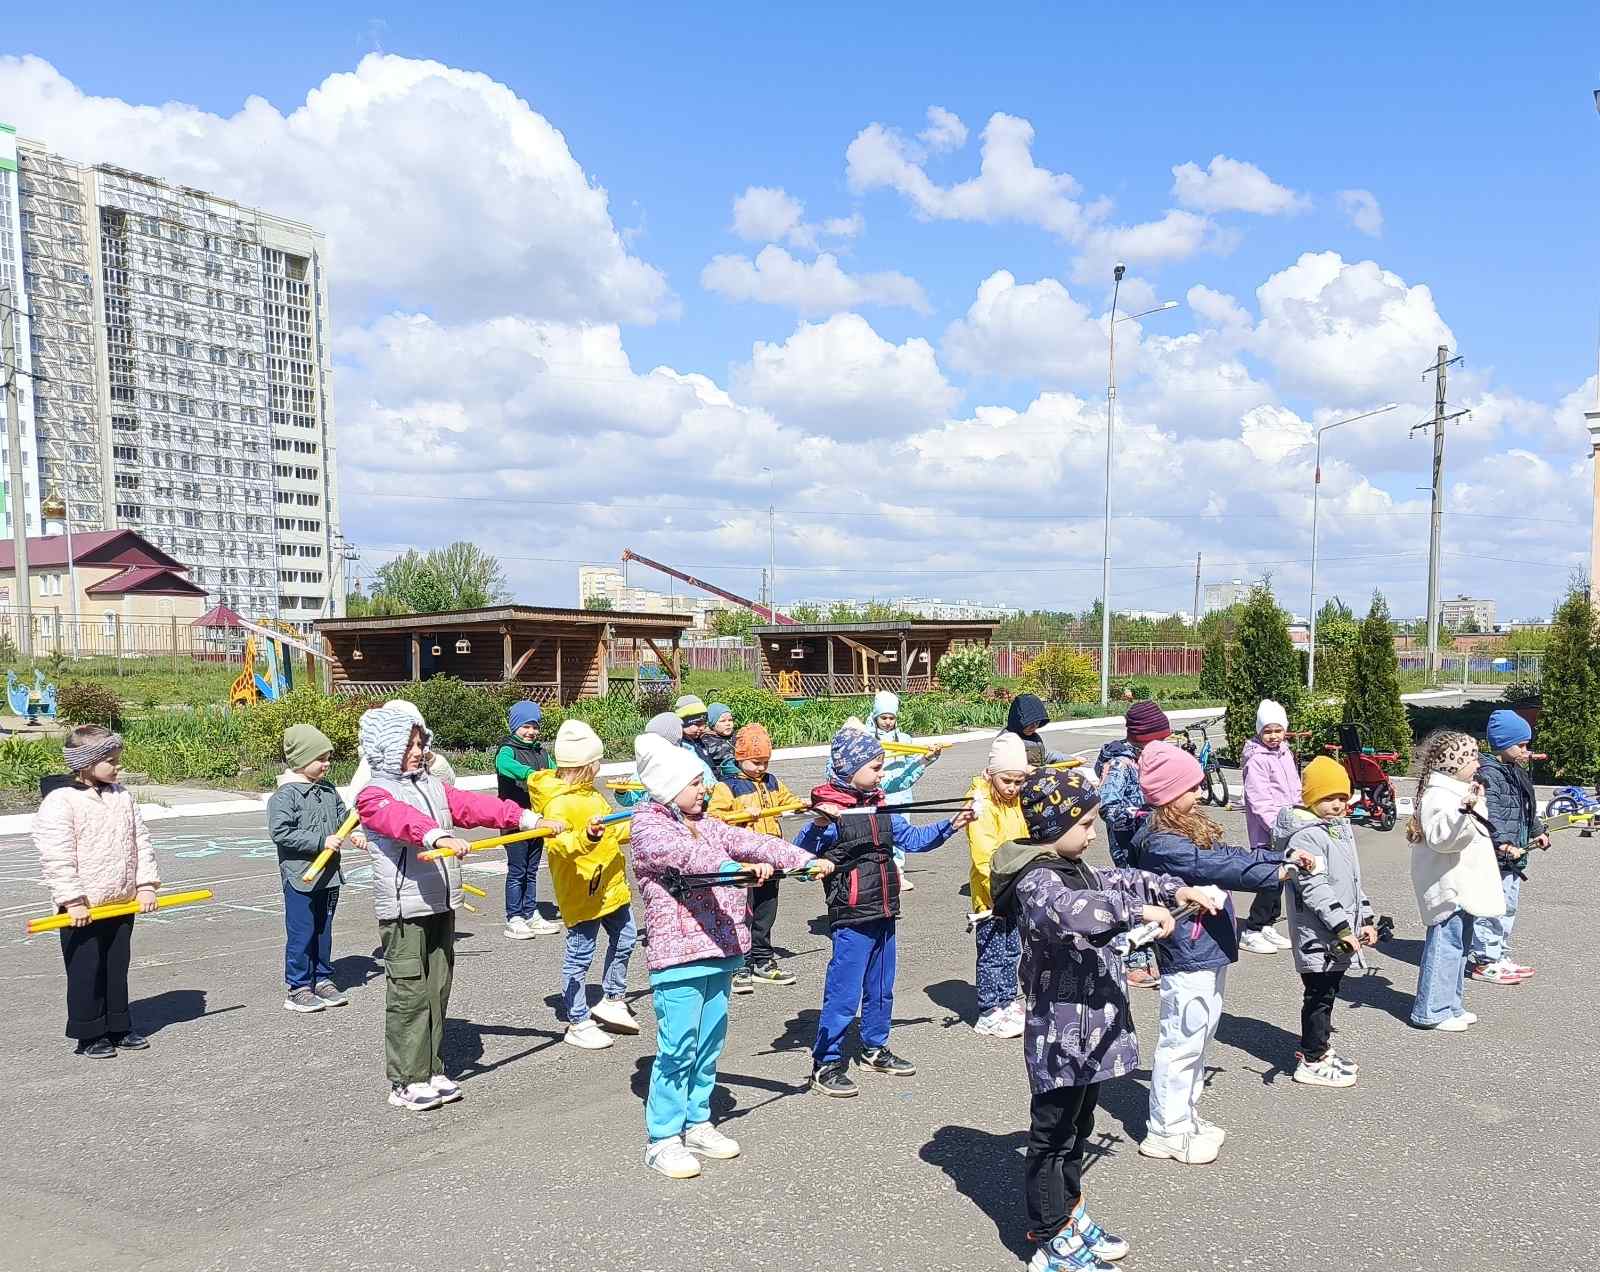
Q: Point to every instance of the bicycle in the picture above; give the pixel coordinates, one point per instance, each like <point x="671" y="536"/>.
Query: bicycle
<point x="1216" y="785"/>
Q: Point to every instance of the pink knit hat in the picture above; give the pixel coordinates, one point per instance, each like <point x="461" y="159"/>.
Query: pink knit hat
<point x="1166" y="772"/>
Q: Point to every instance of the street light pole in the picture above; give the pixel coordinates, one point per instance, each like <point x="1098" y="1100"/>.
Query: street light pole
<point x="1316" y="494"/>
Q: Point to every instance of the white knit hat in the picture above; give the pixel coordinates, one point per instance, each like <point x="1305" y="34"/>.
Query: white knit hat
<point x="1270" y="712"/>
<point x="663" y="768"/>
<point x="1007" y="754"/>
<point x="577" y="745"/>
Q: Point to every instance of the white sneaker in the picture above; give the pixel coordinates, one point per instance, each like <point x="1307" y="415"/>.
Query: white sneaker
<point x="998" y="1022"/>
<point x="1258" y="942"/>
<point x="708" y="1141"/>
<point x="418" y="1097"/>
<point x="517" y="929"/>
<point x="1470" y="1017"/>
<point x="1277" y="938"/>
<point x="614" y="1014"/>
<point x="670" y="1158"/>
<point x="1189" y="1148"/>
<point x="1325" y="1072"/>
<point x="1019" y="1009"/>
<point x="587" y="1035"/>
<point x="1209" y="1130"/>
<point x="538" y="925"/>
<point x="1455" y="1024"/>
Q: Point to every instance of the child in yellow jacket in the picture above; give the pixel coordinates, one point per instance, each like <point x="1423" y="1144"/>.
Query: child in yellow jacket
<point x="753" y="791"/>
<point x="998" y="821"/>
<point x="591" y="886"/>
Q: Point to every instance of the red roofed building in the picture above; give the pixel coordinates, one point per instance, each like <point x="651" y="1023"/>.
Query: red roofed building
<point x="118" y="571"/>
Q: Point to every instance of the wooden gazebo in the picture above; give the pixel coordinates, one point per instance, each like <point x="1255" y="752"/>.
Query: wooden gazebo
<point x="826" y="660"/>
<point x="559" y="654"/>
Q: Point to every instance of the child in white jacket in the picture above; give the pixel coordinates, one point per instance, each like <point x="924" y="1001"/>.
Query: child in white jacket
<point x="94" y="850"/>
<point x="1454" y="872"/>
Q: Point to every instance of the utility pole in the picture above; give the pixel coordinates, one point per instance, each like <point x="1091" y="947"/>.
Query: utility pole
<point x="1440" y="419"/>
<point x="17" y="505"/>
<point x="1196" y="610"/>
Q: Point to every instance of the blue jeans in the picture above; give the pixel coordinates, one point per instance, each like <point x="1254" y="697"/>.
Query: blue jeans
<point x="691" y="1026"/>
<point x="579" y="954"/>
<point x="522" y="878"/>
<point x="1491" y="938"/>
<point x="308" y="923"/>
<point x="1443" y="971"/>
<point x="999" y="949"/>
<point x="860" y="977"/>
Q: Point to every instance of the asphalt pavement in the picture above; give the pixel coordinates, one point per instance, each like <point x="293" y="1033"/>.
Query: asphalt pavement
<point x="250" y="1138"/>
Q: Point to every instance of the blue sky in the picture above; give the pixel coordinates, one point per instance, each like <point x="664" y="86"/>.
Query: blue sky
<point x="1477" y="136"/>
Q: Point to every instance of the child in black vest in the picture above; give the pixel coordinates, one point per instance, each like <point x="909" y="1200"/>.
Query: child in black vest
<point x="521" y="754"/>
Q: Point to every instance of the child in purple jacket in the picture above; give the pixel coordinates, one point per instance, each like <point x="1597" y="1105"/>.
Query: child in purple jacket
<point x="1271" y="784"/>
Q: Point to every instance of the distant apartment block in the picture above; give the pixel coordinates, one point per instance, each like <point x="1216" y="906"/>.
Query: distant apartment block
<point x="610" y="583"/>
<point x="1221" y="596"/>
<point x="1468" y="611"/>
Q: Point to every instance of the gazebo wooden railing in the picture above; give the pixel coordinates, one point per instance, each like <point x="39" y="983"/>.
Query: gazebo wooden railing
<point x="805" y="684"/>
<point x="537" y="692"/>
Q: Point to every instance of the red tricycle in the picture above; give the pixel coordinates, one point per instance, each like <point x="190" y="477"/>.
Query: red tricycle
<point x="1372" y="797"/>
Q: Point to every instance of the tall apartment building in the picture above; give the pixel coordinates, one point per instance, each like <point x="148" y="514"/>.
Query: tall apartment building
<point x="1465" y="611"/>
<point x="179" y="344"/>
<point x="11" y="278"/>
<point x="1221" y="596"/>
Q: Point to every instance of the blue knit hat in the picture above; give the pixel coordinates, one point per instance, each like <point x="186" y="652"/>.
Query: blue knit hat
<point x="1507" y="728"/>
<point x="716" y="711"/>
<point x="851" y="751"/>
<point x="524" y="712"/>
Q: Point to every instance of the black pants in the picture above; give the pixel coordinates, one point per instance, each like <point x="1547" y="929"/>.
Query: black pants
<point x="1061" y="1123"/>
<point x="1316" y="1011"/>
<point x="1265" y="910"/>
<point x="97" y="957"/>
<point x="763" y="914"/>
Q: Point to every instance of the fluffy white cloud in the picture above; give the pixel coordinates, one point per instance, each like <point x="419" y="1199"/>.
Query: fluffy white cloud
<point x="1230" y="185"/>
<point x="1176" y="236"/>
<point x="840" y="378"/>
<point x="768" y="214"/>
<point x="1030" y="329"/>
<point x="437" y="186"/>
<point x="945" y="131"/>
<point x="1361" y="207"/>
<point x="1217" y="308"/>
<point x="821" y="286"/>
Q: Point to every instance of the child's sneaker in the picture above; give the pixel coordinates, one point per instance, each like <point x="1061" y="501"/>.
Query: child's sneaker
<point x="833" y="1079"/>
<point x="1066" y="1252"/>
<point x="998" y="1022"/>
<point x="1521" y="969"/>
<point x="303" y="999"/>
<point x="418" y="1097"/>
<point x="1143" y="978"/>
<point x="132" y="1040"/>
<point x="329" y="993"/>
<point x="614" y="1014"/>
<point x="96" y="1049"/>
<point x="517" y="929"/>
<point x="708" y="1141"/>
<point x="670" y="1158"/>
<point x="1255" y="941"/>
<point x="1019" y="1009"/>
<point x="743" y="982"/>
<point x="1209" y="1130"/>
<point x="1190" y="1148"/>
<point x="1323" y="1072"/>
<point x="447" y="1091"/>
<point x="882" y="1060"/>
<point x="769" y="973"/>
<point x="587" y="1035"/>
<point x="1102" y="1244"/>
<point x="1452" y="1024"/>
<point x="541" y="926"/>
<point x="1277" y="938"/>
<point x="1499" y="973"/>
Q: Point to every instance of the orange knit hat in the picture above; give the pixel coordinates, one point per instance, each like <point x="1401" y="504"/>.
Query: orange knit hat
<point x="752" y="742"/>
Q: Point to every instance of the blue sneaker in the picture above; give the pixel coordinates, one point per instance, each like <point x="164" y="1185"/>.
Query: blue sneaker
<point x="1066" y="1252"/>
<point x="1103" y="1244"/>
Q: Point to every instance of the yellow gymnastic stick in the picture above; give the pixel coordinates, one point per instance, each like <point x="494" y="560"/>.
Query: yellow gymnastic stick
<point x="481" y="845"/>
<point x="320" y="861"/>
<point x="477" y="892"/>
<point x="1065" y="764"/>
<point x="776" y="810"/>
<point x="624" y="786"/>
<point x="57" y="921"/>
<point x="907" y="748"/>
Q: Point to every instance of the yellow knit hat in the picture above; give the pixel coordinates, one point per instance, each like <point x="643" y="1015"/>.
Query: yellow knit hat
<point x="1323" y="777"/>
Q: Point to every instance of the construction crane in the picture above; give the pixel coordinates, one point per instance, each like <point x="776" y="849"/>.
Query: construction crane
<point x="772" y="615"/>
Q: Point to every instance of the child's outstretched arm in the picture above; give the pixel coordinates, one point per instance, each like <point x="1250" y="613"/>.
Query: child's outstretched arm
<point x="909" y="838"/>
<point x="1053" y="913"/>
<point x="468" y="808"/>
<point x="751" y="846"/>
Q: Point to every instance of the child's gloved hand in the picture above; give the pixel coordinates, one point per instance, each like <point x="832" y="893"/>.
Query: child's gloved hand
<point x="1345" y="942"/>
<point x="1208" y="897"/>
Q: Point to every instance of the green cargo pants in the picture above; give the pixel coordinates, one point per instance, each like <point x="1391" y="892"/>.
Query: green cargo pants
<point x="419" y="960"/>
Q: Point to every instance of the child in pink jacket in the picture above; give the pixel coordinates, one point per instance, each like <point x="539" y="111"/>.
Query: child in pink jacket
<point x="1271" y="784"/>
<point x="94" y="850"/>
<point x="698" y="939"/>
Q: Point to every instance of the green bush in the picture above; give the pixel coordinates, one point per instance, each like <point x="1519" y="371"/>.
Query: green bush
<point x="1569" y="718"/>
<point x="965" y="671"/>
<point x="1319" y="716"/>
<point x="1062" y="675"/>
<point x="24" y="760"/>
<point x="1372" y="693"/>
<point x="79" y="702"/>
<point x="181" y="746"/>
<point x="462" y="715"/>
<point x="1214" y="666"/>
<point x="264" y="722"/>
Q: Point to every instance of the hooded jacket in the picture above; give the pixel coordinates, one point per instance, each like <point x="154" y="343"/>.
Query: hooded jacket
<point x="1453" y="868"/>
<point x="403" y="812"/>
<point x="589" y="876"/>
<point x="1027" y="710"/>
<point x="900" y="772"/>
<point x="93" y="845"/>
<point x="1208" y="941"/>
<point x="1512" y="808"/>
<point x="1320" y="905"/>
<point x="994" y="824"/>
<point x="515" y="762"/>
<point x="1078" y="1028"/>
<point x="300" y="817"/>
<point x="745" y="795"/>
<point x="1122" y="803"/>
<point x="1271" y="784"/>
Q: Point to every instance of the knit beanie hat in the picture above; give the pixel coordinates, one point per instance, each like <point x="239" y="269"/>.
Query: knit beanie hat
<point x="524" y="712"/>
<point x="665" y="770"/>
<point x="1270" y="712"/>
<point x="1507" y="728"/>
<point x="577" y="745"/>
<point x="1147" y="722"/>
<point x="1008" y="754"/>
<point x="1454" y="750"/>
<point x="752" y="742"/>
<point x="667" y="727"/>
<point x="1054" y="802"/>
<point x="1323" y="777"/>
<point x="852" y="750"/>
<point x="885" y="703"/>
<point x="690" y="709"/>
<point x="303" y="743"/>
<point x="716" y="711"/>
<point x="1166" y="772"/>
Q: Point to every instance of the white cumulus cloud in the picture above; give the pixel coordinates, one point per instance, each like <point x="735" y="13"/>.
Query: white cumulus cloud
<point x="1231" y="185"/>
<point x="1030" y="329"/>
<point x="770" y="214"/>
<point x="817" y="287"/>
<point x="945" y="131"/>
<point x="1361" y="207"/>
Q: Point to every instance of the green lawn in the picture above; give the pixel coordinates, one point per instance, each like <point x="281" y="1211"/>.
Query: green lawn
<point x="144" y="682"/>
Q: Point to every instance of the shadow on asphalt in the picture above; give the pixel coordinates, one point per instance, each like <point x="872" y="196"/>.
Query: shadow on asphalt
<point x="1403" y="950"/>
<point x="1273" y="1045"/>
<point x="463" y="1045"/>
<point x="957" y="997"/>
<point x="1377" y="991"/>
<point x="800" y="1032"/>
<point x="173" y="1007"/>
<point x="724" y="1108"/>
<point x="354" y="970"/>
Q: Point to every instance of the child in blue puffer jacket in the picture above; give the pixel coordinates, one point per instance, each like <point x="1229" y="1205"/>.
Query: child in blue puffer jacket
<point x="1194" y="960"/>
